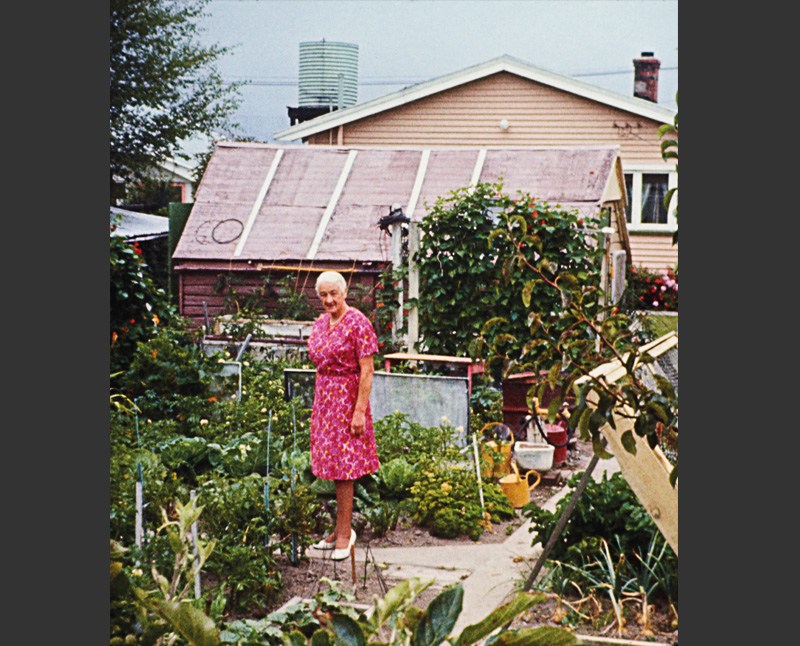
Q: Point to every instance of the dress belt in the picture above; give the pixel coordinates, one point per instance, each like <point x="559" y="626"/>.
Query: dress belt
<point x="337" y="374"/>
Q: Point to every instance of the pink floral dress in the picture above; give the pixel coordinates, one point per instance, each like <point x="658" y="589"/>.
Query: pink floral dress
<point x="335" y="453"/>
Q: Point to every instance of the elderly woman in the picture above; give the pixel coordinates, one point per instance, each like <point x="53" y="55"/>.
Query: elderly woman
<point x="343" y="449"/>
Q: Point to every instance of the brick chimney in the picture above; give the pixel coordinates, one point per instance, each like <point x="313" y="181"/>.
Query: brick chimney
<point x="645" y="78"/>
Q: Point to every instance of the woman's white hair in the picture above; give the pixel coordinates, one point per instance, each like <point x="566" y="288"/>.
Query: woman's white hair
<point x="331" y="278"/>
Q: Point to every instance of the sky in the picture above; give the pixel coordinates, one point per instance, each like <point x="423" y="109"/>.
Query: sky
<point x="403" y="42"/>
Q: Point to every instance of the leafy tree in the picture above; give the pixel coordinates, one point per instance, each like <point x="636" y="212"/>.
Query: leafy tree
<point x="164" y="85"/>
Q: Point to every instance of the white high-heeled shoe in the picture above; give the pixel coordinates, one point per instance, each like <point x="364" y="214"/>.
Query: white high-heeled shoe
<point x="343" y="553"/>
<point x="322" y="544"/>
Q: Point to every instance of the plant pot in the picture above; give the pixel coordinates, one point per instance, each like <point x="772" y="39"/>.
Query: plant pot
<point x="534" y="456"/>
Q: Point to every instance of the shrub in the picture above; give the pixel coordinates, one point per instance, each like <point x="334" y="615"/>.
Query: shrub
<point x="446" y="500"/>
<point x="398" y="436"/>
<point x="139" y="308"/>
<point x="649" y="290"/>
<point x="468" y="274"/>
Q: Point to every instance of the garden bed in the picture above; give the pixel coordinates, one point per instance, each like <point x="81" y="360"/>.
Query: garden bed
<point x="306" y="579"/>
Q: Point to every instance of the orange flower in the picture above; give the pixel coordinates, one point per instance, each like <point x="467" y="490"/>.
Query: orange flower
<point x="156" y="320"/>
<point x="154" y="354"/>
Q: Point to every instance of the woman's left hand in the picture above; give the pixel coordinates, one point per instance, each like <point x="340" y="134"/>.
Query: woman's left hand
<point x="357" y="423"/>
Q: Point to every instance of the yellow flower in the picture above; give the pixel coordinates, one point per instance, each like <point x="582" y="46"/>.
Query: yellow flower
<point x="446" y="488"/>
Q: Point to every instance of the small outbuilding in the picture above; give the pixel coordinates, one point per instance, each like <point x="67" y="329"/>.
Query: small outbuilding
<point x="265" y="211"/>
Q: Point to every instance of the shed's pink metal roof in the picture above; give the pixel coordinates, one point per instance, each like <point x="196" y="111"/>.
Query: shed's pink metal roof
<point x="267" y="202"/>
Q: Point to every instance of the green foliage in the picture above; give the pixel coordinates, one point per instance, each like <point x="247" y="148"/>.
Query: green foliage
<point x="651" y="290"/>
<point x="472" y="295"/>
<point x="234" y="505"/>
<point x="485" y="403"/>
<point x="292" y="303"/>
<point x="164" y="607"/>
<point x="669" y="150"/>
<point x="246" y="575"/>
<point x="608" y="518"/>
<point x="139" y="308"/>
<point x="295" y="517"/>
<point x="168" y="366"/>
<point x="578" y="335"/>
<point x="398" y="436"/>
<point x="446" y="500"/>
<point x="164" y="85"/>
<point x="382" y="516"/>
<point x="396" y="476"/>
<point x="397" y="620"/>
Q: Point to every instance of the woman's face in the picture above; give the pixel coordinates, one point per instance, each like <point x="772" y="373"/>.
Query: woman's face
<point x="332" y="298"/>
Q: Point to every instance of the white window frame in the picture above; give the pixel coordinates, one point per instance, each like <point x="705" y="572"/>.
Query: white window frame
<point x="635" y="199"/>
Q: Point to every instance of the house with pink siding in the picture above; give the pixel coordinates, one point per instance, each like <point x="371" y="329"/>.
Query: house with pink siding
<point x="506" y="102"/>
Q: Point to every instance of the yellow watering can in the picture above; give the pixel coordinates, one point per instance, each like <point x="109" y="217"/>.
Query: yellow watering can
<point x="517" y="489"/>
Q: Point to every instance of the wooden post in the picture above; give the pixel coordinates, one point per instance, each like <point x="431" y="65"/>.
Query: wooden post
<point x="478" y="470"/>
<point x="397" y="241"/>
<point x="192" y="494"/>
<point x="139" y="531"/>
<point x="413" y="285"/>
<point x="561" y="523"/>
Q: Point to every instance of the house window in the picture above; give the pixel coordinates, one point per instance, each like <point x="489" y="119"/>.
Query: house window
<point x="645" y="206"/>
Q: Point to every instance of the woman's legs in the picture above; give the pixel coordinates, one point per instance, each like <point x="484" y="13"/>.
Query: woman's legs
<point x="344" y="512"/>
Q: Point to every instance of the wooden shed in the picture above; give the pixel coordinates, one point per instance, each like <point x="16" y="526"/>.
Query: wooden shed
<point x="264" y="211"/>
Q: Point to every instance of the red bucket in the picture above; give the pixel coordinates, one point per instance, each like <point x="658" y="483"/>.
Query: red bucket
<point x="557" y="436"/>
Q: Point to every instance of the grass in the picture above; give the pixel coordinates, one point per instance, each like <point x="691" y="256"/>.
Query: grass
<point x="660" y="323"/>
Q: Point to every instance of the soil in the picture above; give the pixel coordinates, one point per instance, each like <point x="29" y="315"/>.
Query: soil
<point x="304" y="580"/>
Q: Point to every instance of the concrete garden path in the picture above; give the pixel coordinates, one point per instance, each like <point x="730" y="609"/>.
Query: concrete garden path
<point x="489" y="572"/>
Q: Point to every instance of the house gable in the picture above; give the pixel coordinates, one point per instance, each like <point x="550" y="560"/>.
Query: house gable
<point x="470" y="115"/>
<point x="630" y="106"/>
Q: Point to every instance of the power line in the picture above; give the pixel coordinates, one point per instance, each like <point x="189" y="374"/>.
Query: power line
<point x="293" y="81"/>
<point x="662" y="69"/>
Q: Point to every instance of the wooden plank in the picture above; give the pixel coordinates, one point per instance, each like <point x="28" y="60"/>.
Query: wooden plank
<point x="647" y="471"/>
<point x="410" y="356"/>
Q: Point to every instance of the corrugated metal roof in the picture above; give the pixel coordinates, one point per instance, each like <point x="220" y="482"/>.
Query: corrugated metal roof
<point x="132" y="225"/>
<point x="267" y="202"/>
